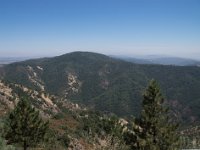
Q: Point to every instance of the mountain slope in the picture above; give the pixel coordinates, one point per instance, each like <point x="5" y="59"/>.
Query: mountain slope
<point x="68" y="122"/>
<point x="108" y="84"/>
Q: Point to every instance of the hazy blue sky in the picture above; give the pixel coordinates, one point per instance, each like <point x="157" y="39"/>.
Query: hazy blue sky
<point x="128" y="27"/>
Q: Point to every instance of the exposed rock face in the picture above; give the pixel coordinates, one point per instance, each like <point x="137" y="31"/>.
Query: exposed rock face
<point x="47" y="99"/>
<point x="75" y="145"/>
<point x="73" y="84"/>
<point x="34" y="78"/>
<point x="44" y="102"/>
<point x="105" y="84"/>
<point x="7" y="100"/>
<point x="7" y="91"/>
<point x="40" y="68"/>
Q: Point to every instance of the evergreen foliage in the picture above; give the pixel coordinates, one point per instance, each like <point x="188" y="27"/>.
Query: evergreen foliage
<point x="3" y="145"/>
<point x="154" y="130"/>
<point x="106" y="127"/>
<point x="111" y="85"/>
<point x="24" y="125"/>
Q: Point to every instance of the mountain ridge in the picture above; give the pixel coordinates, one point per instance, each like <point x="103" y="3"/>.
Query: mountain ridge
<point x="160" y="60"/>
<point x="108" y="84"/>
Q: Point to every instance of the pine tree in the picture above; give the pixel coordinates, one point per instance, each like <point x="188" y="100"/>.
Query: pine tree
<point x="24" y="125"/>
<point x="3" y="145"/>
<point x="154" y="130"/>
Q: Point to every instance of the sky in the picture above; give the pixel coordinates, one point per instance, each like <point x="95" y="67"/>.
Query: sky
<point x="35" y="28"/>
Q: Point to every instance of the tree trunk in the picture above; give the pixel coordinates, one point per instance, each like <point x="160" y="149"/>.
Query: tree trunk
<point x="25" y="145"/>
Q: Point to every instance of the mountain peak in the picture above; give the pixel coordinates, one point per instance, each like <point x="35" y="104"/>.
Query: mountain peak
<point x="105" y="83"/>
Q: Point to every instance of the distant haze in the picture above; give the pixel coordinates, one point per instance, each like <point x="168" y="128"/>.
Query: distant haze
<point x="36" y="28"/>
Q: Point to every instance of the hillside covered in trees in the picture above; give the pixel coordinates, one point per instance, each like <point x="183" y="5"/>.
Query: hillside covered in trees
<point x="94" y="102"/>
<point x="109" y="84"/>
<point x="25" y="126"/>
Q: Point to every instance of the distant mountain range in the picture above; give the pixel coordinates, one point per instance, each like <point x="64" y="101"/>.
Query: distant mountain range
<point x="8" y="60"/>
<point x="109" y="84"/>
<point x="151" y="59"/>
<point x="162" y="60"/>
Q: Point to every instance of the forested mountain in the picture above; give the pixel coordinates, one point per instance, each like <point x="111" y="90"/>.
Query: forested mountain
<point x="108" y="84"/>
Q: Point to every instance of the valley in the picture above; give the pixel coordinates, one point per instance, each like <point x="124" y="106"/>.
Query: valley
<point x="99" y="75"/>
<point x="87" y="86"/>
<point x="106" y="84"/>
